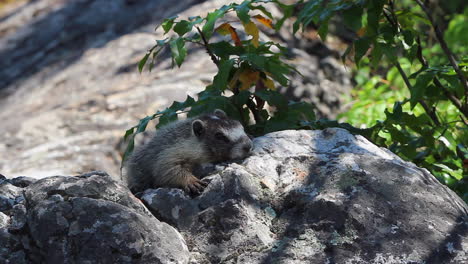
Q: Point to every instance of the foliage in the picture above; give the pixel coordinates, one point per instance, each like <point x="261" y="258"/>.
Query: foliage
<point x="412" y="88"/>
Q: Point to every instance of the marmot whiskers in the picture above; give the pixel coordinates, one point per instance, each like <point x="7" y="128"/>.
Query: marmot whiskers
<point x="168" y="159"/>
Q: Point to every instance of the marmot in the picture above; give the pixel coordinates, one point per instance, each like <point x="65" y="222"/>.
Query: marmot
<point x="168" y="159"/>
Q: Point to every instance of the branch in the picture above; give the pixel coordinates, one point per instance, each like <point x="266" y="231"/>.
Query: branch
<point x="447" y="93"/>
<point x="446" y="50"/>
<point x="429" y="111"/>
<point x="207" y="47"/>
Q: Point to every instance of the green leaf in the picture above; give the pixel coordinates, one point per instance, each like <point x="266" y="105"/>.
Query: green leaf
<point x="224" y="49"/>
<point x="142" y="62"/>
<point x="351" y="17"/>
<point x="168" y="117"/>
<point x="323" y="30"/>
<point x="302" y="111"/>
<point x="128" y="133"/>
<point x="262" y="9"/>
<point x="143" y="123"/>
<point x="278" y="70"/>
<point x="183" y="27"/>
<point x="128" y="150"/>
<point x="274" y="98"/>
<point x="374" y="11"/>
<point x="390" y="52"/>
<point x="360" y="48"/>
<point x="221" y="79"/>
<point x="167" y="23"/>
<point x="242" y="11"/>
<point x="211" y="20"/>
<point x="376" y="55"/>
<point x="178" y="50"/>
<point x="287" y="13"/>
<point x="347" y="51"/>
<point x="419" y="88"/>
<point x="257" y="61"/>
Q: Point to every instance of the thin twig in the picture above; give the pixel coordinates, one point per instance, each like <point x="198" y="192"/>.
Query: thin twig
<point x="213" y="57"/>
<point x="446" y="92"/>
<point x="446" y="49"/>
<point x="428" y="110"/>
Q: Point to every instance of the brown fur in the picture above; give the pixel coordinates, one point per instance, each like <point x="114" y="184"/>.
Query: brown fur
<point x="169" y="158"/>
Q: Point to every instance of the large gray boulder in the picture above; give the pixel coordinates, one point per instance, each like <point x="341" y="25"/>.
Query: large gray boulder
<point x="302" y="197"/>
<point x="85" y="219"/>
<point x="318" y="197"/>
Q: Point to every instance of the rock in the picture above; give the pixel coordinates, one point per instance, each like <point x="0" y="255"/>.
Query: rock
<point x="77" y="72"/>
<point x="302" y="197"/>
<point x="85" y="219"/>
<point x="318" y="197"/>
<point x="9" y="195"/>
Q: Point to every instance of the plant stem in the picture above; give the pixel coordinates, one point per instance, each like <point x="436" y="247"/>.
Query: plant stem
<point x="446" y="92"/>
<point x="207" y="47"/>
<point x="446" y="50"/>
<point x="429" y="111"/>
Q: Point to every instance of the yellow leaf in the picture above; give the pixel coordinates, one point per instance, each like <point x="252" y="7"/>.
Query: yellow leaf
<point x="252" y="30"/>
<point x="248" y="78"/>
<point x="361" y="32"/>
<point x="234" y="79"/>
<point x="265" y="21"/>
<point x="269" y="84"/>
<point x="225" y="29"/>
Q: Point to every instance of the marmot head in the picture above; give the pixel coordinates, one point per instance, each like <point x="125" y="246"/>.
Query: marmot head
<point x="224" y="138"/>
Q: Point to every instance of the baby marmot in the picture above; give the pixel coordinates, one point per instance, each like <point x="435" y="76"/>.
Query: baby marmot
<point x="168" y="159"/>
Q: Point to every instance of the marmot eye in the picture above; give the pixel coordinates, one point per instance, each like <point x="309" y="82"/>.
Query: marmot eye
<point x="222" y="137"/>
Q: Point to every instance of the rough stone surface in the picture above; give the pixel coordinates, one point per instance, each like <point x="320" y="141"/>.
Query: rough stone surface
<point x="318" y="197"/>
<point x="302" y="197"/>
<point x="69" y="84"/>
<point x="85" y="219"/>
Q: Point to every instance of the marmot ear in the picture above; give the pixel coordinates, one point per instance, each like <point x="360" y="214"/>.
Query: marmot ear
<point x="220" y="113"/>
<point x="198" y="127"/>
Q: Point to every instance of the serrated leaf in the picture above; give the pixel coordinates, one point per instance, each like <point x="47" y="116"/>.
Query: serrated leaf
<point x="252" y="30"/>
<point x="242" y="11"/>
<point x="142" y="62"/>
<point x="351" y="18"/>
<point x="274" y="98"/>
<point x="128" y="133"/>
<point x="183" y="27"/>
<point x="128" y="150"/>
<point x="220" y="81"/>
<point x="376" y="55"/>
<point x="223" y="49"/>
<point x="248" y="77"/>
<point x="323" y="30"/>
<point x="263" y="10"/>
<point x="278" y="70"/>
<point x="347" y="51"/>
<point x="178" y="50"/>
<point x="168" y="117"/>
<point x="418" y="89"/>
<point x="390" y="52"/>
<point x="360" y="48"/>
<point x="269" y="83"/>
<point x="211" y="20"/>
<point x="167" y="24"/>
<point x="287" y="13"/>
<point x="301" y="111"/>
<point x="225" y="29"/>
<point x="265" y="21"/>
<point x="143" y="123"/>
<point x="374" y="11"/>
